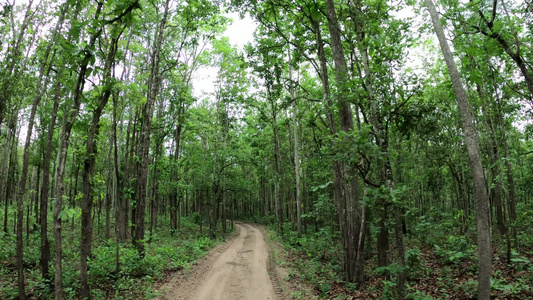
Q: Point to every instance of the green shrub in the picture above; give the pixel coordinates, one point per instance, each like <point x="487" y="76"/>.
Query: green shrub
<point x="412" y="259"/>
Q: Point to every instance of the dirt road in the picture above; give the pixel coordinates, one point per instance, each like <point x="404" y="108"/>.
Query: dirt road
<point x="233" y="271"/>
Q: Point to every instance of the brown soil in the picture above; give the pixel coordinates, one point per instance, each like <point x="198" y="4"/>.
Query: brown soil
<point x="235" y="270"/>
<point x="288" y="286"/>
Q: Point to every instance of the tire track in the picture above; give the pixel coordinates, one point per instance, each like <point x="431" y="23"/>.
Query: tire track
<point x="242" y="268"/>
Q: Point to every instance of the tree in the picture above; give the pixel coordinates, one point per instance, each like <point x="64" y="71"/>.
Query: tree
<point x="347" y="193"/>
<point x="474" y="155"/>
<point x="91" y="151"/>
<point x="153" y="84"/>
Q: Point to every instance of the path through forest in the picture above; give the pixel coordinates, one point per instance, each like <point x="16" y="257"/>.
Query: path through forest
<point x="235" y="270"/>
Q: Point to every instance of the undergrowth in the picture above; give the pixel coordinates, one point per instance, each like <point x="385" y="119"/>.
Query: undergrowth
<point x="135" y="278"/>
<point x="440" y="264"/>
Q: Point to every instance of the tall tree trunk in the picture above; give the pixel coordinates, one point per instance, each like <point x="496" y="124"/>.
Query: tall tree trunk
<point x="121" y="214"/>
<point x="120" y="229"/>
<point x="278" y="176"/>
<point x="496" y="188"/>
<point x="12" y="59"/>
<point x="508" y="167"/>
<point x="108" y="197"/>
<point x="474" y="156"/>
<point x="154" y="82"/>
<point x="20" y="199"/>
<point x="296" y="158"/>
<point x="380" y="132"/>
<point x="62" y="157"/>
<point x="351" y="216"/>
<point x="121" y="209"/>
<point x="45" y="244"/>
<point x="224" y="146"/>
<point x="25" y="162"/>
<point x="216" y="177"/>
<point x="3" y="172"/>
<point x="88" y="169"/>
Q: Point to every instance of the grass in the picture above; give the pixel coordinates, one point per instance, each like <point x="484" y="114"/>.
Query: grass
<point x="165" y="254"/>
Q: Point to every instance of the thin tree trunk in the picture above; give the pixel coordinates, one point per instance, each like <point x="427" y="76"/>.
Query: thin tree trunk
<point x="45" y="244"/>
<point x="121" y="209"/>
<point x="120" y="230"/>
<point x="36" y="196"/>
<point x="508" y="168"/>
<point x="88" y="170"/>
<point x="25" y="163"/>
<point x="296" y="159"/>
<point x="278" y="176"/>
<point x="216" y="178"/>
<point x="496" y="188"/>
<point x="144" y="140"/>
<point x="474" y="155"/>
<point x="108" y="198"/>
<point x="224" y="146"/>
<point x="62" y="157"/>
<point x="6" y="88"/>
<point x="3" y="172"/>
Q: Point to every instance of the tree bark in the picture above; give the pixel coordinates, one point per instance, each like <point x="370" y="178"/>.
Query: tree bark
<point x="88" y="169"/>
<point x="350" y="212"/>
<point x="10" y="138"/>
<point x="62" y="158"/>
<point x="224" y="146"/>
<point x="45" y="244"/>
<point x="496" y="188"/>
<point x="25" y="162"/>
<point x="121" y="210"/>
<point x="215" y="189"/>
<point x="474" y="157"/>
<point x="511" y="200"/>
<point x="153" y="84"/>
<point x="277" y="155"/>
<point x="117" y="186"/>
<point x="296" y="157"/>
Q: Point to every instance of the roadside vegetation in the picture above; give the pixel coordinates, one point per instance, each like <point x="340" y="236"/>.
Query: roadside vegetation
<point x="137" y="278"/>
<point x="439" y="265"/>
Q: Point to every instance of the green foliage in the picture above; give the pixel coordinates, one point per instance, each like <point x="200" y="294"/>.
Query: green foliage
<point x="455" y="251"/>
<point x="469" y="288"/>
<point x="391" y="269"/>
<point x="388" y="290"/>
<point x="317" y="258"/>
<point x="196" y="218"/>
<point x="413" y="261"/>
<point x="417" y="295"/>
<point x="521" y="262"/>
<point x="69" y="213"/>
<point x="511" y="288"/>
<point x="396" y="85"/>
<point x="136" y="277"/>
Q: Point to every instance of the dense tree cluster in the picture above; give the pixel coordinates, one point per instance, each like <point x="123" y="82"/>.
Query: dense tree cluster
<point x="349" y="115"/>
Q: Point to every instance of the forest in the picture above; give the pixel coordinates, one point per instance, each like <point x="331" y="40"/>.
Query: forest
<point x="384" y="147"/>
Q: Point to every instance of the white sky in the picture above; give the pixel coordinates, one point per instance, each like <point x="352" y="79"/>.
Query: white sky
<point x="240" y="33"/>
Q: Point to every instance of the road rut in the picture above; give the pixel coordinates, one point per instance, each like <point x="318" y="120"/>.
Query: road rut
<point x="235" y="270"/>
